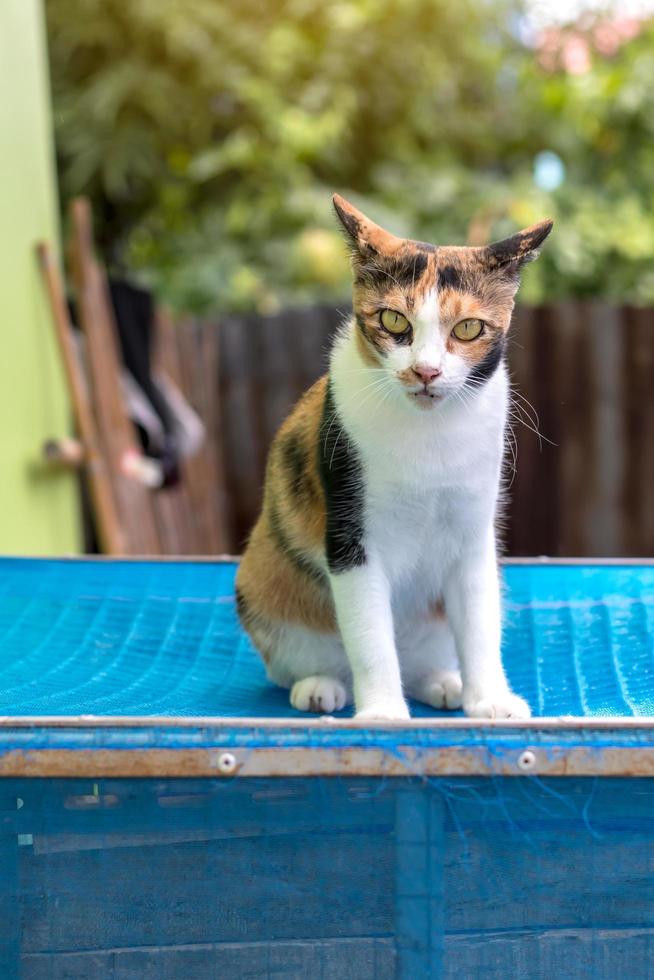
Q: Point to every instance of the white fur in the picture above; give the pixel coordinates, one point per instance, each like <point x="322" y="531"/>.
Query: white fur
<point x="428" y="347"/>
<point x="431" y="473"/>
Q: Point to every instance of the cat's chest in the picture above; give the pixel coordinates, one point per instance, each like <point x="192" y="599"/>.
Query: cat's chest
<point x="407" y="526"/>
<point x="418" y="518"/>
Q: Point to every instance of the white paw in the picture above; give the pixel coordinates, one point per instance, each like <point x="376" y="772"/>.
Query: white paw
<point x="440" y="690"/>
<point x="384" y="711"/>
<point x="320" y="694"/>
<point x="505" y="705"/>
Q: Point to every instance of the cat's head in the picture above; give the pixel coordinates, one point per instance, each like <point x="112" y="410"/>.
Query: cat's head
<point x="434" y="317"/>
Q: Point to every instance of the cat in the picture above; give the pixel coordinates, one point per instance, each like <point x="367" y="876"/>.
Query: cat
<point x="372" y="571"/>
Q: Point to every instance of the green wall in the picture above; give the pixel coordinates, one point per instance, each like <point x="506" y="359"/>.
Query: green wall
<point x="38" y="507"/>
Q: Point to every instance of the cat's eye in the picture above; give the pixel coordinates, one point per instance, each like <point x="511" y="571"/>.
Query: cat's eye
<point x="394" y="322"/>
<point x="468" y="329"/>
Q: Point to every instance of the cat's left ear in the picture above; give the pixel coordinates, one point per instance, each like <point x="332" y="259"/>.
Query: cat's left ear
<point x="366" y="238"/>
<point x="512" y="253"/>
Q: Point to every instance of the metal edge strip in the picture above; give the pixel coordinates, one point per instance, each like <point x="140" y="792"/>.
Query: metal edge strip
<point x="326" y="723"/>
<point x="329" y="762"/>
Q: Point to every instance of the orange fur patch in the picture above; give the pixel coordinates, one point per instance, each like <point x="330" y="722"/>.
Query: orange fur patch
<point x="281" y="577"/>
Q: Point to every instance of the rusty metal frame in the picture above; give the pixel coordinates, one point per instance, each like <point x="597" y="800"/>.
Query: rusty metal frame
<point x="228" y="748"/>
<point x="174" y="763"/>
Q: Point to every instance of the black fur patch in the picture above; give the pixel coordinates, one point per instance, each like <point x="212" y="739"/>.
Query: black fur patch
<point x="489" y="363"/>
<point x="351" y="224"/>
<point x="403" y="339"/>
<point x="400" y="272"/>
<point x="295" y="463"/>
<point x="449" y="277"/>
<point x="507" y="250"/>
<point x="295" y="556"/>
<point x="248" y="618"/>
<point x="518" y="247"/>
<point x="342" y="480"/>
<point x="241" y="605"/>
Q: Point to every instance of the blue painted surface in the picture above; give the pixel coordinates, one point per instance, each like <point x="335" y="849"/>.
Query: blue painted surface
<point x="145" y="638"/>
<point x="342" y="879"/>
<point x="406" y="745"/>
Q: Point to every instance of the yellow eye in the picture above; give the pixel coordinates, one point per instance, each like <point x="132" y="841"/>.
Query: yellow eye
<point x="468" y="329"/>
<point x="394" y="322"/>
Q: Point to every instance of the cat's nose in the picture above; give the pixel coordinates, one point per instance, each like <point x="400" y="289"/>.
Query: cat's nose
<point x="426" y="372"/>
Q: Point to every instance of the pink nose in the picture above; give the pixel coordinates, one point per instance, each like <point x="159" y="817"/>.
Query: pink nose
<point x="426" y="373"/>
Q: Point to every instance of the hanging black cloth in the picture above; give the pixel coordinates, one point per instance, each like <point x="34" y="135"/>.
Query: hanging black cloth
<point x="134" y="315"/>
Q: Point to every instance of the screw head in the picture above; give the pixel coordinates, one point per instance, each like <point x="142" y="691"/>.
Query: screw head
<point x="527" y="760"/>
<point x="226" y="762"/>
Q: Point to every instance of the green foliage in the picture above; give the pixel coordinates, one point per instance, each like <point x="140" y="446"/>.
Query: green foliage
<point x="210" y="135"/>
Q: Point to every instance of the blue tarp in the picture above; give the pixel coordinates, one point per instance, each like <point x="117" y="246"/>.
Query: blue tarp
<point x="162" y="638"/>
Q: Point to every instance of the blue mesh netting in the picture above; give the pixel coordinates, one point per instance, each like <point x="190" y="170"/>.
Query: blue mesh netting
<point x="150" y="638"/>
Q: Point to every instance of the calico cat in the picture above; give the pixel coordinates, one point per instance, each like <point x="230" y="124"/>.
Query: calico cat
<point x="372" y="571"/>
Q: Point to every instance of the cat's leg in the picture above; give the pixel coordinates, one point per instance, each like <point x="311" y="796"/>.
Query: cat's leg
<point x="313" y="665"/>
<point x="472" y="601"/>
<point x="362" y="598"/>
<point x="430" y="667"/>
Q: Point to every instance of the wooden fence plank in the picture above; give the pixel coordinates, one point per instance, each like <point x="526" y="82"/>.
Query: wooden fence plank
<point x="575" y="449"/>
<point x="637" y="369"/>
<point x="220" y="515"/>
<point x="197" y="345"/>
<point x="242" y="444"/>
<point x="173" y="505"/>
<point x="602" y="515"/>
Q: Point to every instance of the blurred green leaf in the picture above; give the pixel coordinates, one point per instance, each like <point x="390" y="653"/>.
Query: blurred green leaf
<point x="210" y="136"/>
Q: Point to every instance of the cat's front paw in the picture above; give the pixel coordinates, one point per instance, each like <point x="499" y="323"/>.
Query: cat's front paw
<point x="440" y="689"/>
<point x="504" y="705"/>
<point x="320" y="694"/>
<point x="384" y="711"/>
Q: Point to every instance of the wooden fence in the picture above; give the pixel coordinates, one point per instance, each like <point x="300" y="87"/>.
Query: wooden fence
<point x="265" y="363"/>
<point x="586" y="488"/>
<point x="589" y="371"/>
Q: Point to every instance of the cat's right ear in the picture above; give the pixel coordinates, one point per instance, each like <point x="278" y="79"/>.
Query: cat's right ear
<point x="516" y="251"/>
<point x="365" y="237"/>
